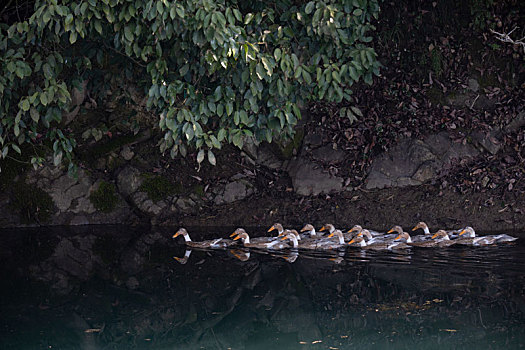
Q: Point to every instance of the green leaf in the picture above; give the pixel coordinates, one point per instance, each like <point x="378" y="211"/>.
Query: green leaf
<point x="72" y="37"/>
<point x="35" y="116"/>
<point x="24" y="105"/>
<point x="309" y="7"/>
<point x="128" y="33"/>
<point x="98" y="26"/>
<point x="200" y="156"/>
<point x="277" y="54"/>
<point x="211" y="158"/>
<point x="184" y="69"/>
<point x="16" y="148"/>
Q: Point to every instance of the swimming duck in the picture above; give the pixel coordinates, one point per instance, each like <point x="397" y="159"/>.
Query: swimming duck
<point x="419" y="243"/>
<point x="274" y="244"/>
<point x="414" y="239"/>
<point x="369" y="237"/>
<point x="321" y="243"/>
<point x="219" y="243"/>
<point x="253" y="240"/>
<point x="422" y="225"/>
<point x="361" y="242"/>
<point x="467" y="236"/>
<point x="359" y="228"/>
<point x="184" y="259"/>
<point x="442" y="239"/>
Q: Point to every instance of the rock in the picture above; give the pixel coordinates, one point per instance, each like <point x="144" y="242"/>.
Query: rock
<point x="129" y="181"/>
<point x="127" y="153"/>
<point x="517" y="123"/>
<point x="491" y="142"/>
<point x="413" y="162"/>
<point x="234" y="191"/>
<point x="185" y="204"/>
<point x="313" y="140"/>
<point x="328" y="154"/>
<point x="473" y="85"/>
<point x="309" y="179"/>
<point x="267" y="158"/>
<point x="425" y="172"/>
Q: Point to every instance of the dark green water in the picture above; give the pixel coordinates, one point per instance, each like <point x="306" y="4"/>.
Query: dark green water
<point x="120" y="288"/>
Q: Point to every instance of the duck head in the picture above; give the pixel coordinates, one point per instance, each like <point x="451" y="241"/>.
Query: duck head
<point x="356" y="228"/>
<point x="441" y="234"/>
<point x="329" y="227"/>
<point x="277" y="227"/>
<point x="237" y="232"/>
<point x="339" y="235"/>
<point x="291" y="237"/>
<point x="397" y="229"/>
<point x="403" y="236"/>
<point x="468" y="232"/>
<point x="423" y="226"/>
<point x="182" y="232"/>
<point x="244" y="236"/>
<point x="309" y="228"/>
<point x="359" y="240"/>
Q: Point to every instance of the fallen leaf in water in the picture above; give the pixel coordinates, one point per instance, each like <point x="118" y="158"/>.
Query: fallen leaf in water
<point x="303" y="342"/>
<point x="317" y="341"/>
<point x="448" y="330"/>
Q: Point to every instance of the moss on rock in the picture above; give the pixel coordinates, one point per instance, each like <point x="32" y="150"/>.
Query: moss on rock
<point x="31" y="203"/>
<point x="158" y="187"/>
<point x="105" y="197"/>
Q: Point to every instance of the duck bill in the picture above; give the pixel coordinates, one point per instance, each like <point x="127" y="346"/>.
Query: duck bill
<point x="415" y="228"/>
<point x="397" y="238"/>
<point x="176" y="235"/>
<point x="352" y="241"/>
<point x="434" y="236"/>
<point x="236" y="238"/>
<point x="391" y="230"/>
<point x="330" y="235"/>
<point x="304" y="229"/>
<point x="285" y="237"/>
<point x="462" y="232"/>
<point x="234" y="234"/>
<point x="271" y="229"/>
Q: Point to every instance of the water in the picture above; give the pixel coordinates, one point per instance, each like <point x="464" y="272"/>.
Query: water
<point x="120" y="288"/>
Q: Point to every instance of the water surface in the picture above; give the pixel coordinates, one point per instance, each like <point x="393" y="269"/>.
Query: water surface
<point x="114" y="287"/>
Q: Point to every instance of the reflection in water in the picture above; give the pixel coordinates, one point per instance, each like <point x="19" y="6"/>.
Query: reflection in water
<point x="116" y="287"/>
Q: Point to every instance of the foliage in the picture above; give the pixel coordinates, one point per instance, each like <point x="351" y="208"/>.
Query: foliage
<point x="158" y="187"/>
<point x="31" y="203"/>
<point x="104" y="198"/>
<point x="215" y="72"/>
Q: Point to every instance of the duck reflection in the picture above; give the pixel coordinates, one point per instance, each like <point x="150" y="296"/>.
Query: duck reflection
<point x="184" y="259"/>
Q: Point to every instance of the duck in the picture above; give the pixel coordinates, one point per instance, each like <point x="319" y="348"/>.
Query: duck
<point x="274" y="244"/>
<point x="467" y="236"/>
<point x="253" y="240"/>
<point x="219" y="243"/>
<point x="369" y="237"/>
<point x="442" y="239"/>
<point x="359" y="228"/>
<point x="422" y="225"/>
<point x="419" y="243"/>
<point x="361" y="242"/>
<point x="184" y="259"/>
<point x="414" y="239"/>
<point x="323" y="243"/>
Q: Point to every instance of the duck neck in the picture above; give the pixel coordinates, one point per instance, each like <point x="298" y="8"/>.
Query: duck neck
<point x="313" y="233"/>
<point x="294" y="241"/>
<point x="245" y="239"/>
<point x="341" y="238"/>
<point x="362" y="243"/>
<point x="187" y="237"/>
<point x="426" y="230"/>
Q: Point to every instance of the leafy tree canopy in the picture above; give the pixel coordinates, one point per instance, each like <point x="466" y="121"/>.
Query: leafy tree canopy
<point x="214" y="71"/>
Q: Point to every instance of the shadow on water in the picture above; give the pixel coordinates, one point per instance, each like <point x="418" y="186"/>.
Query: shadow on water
<point x="115" y="287"/>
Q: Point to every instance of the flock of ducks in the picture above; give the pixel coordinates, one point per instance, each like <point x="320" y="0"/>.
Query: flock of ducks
<point x="331" y="239"/>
